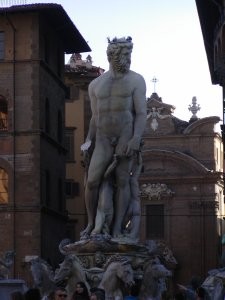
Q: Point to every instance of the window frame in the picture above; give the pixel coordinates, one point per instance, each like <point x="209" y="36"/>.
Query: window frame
<point x="155" y="222"/>
<point x="2" y="45"/>
<point x="70" y="144"/>
<point x="4" y="186"/>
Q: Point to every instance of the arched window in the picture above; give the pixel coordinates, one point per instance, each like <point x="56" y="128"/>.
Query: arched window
<point x="3" y="114"/>
<point x="4" y="196"/>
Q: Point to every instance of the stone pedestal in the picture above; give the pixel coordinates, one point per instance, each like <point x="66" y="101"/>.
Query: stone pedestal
<point x="7" y="286"/>
<point x="112" y="265"/>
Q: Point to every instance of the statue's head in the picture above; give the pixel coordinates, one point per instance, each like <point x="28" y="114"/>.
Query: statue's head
<point x="119" y="53"/>
<point x="99" y="258"/>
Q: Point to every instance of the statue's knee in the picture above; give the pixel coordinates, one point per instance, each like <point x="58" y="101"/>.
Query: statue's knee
<point x="122" y="182"/>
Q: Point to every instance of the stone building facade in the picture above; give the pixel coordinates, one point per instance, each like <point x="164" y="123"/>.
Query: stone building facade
<point x="182" y="187"/>
<point x="33" y="216"/>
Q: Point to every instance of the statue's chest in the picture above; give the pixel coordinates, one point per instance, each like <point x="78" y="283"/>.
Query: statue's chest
<point x="113" y="88"/>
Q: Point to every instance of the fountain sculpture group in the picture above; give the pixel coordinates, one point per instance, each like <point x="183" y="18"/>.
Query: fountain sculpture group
<point x="109" y="254"/>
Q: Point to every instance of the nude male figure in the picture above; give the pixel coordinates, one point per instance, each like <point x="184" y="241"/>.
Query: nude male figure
<point x="118" y="104"/>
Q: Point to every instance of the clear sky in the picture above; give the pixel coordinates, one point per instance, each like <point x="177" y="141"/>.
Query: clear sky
<point x="168" y="45"/>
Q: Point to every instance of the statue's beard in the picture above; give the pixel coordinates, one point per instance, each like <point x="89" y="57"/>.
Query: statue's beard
<point x="121" y="64"/>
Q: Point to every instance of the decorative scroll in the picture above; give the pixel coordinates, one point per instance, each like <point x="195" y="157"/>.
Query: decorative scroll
<point x="155" y="191"/>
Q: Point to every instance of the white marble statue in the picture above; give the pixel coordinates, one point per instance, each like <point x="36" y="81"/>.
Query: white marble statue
<point x="118" y="104"/>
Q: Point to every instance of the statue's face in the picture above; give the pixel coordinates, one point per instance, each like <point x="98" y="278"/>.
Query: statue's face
<point x="121" y="61"/>
<point x="99" y="258"/>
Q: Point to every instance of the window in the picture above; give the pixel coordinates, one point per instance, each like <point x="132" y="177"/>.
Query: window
<point x="4" y="197"/>
<point x="72" y="93"/>
<point x="72" y="188"/>
<point x="70" y="230"/>
<point x="59" y="65"/>
<point x="60" y="195"/>
<point x="3" y="114"/>
<point x="69" y="144"/>
<point x="47" y="188"/>
<point x="46" y="49"/>
<point x="155" y="221"/>
<point x="59" y="127"/>
<point x="2" y="45"/>
<point x="47" y="116"/>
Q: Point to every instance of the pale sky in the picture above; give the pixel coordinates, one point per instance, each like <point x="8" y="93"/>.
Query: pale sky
<point x="168" y="45"/>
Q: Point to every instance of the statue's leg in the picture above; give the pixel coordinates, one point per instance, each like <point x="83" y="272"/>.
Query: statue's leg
<point x="134" y="212"/>
<point x="105" y="207"/>
<point x="100" y="159"/>
<point x="123" y="194"/>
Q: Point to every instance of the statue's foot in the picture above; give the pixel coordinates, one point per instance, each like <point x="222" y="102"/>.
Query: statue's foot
<point x="117" y="234"/>
<point x="117" y="237"/>
<point x="97" y="235"/>
<point x="132" y="237"/>
<point x="85" y="234"/>
<point x="95" y="232"/>
<point x="125" y="239"/>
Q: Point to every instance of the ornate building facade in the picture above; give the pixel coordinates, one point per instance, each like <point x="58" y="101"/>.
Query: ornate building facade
<point x="182" y="187"/>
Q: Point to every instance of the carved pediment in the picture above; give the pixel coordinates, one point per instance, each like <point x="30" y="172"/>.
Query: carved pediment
<point x="155" y="191"/>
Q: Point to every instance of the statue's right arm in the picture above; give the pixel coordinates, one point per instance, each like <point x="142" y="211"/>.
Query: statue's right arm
<point x="92" y="125"/>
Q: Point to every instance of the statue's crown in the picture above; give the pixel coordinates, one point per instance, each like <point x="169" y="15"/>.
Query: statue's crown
<point x="116" y="40"/>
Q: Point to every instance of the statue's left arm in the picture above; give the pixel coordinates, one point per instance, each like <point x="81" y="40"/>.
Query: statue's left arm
<point x="140" y="114"/>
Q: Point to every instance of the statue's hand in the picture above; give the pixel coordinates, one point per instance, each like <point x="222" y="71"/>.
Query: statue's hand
<point x="133" y="145"/>
<point x="121" y="149"/>
<point x="86" y="145"/>
<point x="86" y="158"/>
<point x="85" y="148"/>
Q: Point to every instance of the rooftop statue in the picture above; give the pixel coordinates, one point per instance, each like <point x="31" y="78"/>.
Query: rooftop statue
<point x="112" y="146"/>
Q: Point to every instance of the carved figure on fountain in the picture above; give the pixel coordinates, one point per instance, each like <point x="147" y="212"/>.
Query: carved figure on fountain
<point x="6" y="263"/>
<point x="43" y="276"/>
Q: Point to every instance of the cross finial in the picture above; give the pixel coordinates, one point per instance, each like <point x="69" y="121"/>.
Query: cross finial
<point x="154" y="80"/>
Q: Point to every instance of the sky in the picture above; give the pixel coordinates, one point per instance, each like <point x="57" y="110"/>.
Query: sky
<point x="168" y="45"/>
